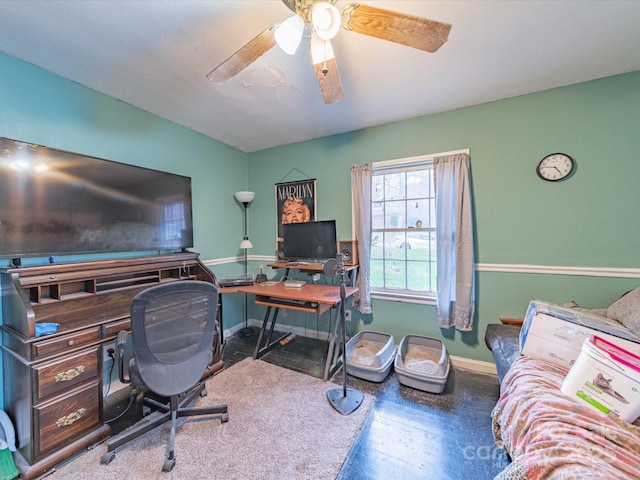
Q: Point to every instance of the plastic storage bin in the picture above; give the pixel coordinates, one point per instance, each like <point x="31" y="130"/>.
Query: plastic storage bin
<point x="370" y="355"/>
<point x="606" y="377"/>
<point x="422" y="363"/>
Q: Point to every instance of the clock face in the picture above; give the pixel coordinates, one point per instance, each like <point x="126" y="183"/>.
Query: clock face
<point x="554" y="167"/>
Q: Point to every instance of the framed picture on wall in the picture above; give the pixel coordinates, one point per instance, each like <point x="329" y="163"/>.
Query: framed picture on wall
<point x="295" y="203"/>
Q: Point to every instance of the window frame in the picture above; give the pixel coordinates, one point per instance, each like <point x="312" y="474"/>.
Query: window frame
<point x="172" y="223"/>
<point x="408" y="296"/>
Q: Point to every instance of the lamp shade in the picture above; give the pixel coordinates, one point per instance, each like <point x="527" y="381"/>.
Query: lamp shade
<point x="289" y="34"/>
<point x="245" y="197"/>
<point x="325" y="18"/>
<point x="246" y="243"/>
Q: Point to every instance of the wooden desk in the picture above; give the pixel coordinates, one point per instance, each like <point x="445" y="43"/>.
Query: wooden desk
<point x="313" y="298"/>
<point x="222" y="291"/>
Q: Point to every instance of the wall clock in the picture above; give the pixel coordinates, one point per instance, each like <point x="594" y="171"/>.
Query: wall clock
<point x="555" y="167"/>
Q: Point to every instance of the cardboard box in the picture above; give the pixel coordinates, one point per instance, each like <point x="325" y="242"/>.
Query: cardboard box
<point x="556" y="334"/>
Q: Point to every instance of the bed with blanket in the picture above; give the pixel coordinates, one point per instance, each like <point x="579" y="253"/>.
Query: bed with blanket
<point x="546" y="434"/>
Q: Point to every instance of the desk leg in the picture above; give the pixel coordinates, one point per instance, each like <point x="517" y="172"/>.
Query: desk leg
<point x="269" y="344"/>
<point x="333" y="354"/>
<point x="220" y="322"/>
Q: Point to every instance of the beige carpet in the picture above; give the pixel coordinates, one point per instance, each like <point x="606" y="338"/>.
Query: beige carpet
<point x="281" y="426"/>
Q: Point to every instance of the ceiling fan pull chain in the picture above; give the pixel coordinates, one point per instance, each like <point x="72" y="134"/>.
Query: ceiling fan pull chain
<point x="325" y="70"/>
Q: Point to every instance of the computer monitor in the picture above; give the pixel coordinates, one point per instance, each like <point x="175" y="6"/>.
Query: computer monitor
<point x="310" y="241"/>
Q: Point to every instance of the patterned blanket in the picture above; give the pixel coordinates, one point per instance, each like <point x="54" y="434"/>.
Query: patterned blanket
<point x="549" y="436"/>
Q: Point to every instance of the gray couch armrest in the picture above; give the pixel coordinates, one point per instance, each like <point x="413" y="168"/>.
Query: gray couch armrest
<point x="504" y="343"/>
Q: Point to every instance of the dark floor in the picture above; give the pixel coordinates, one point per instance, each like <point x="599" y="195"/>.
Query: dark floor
<point x="409" y="434"/>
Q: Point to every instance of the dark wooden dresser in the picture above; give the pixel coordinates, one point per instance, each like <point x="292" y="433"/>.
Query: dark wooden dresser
<point x="53" y="388"/>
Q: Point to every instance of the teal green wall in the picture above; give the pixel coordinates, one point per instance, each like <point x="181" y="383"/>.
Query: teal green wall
<point x="43" y="108"/>
<point x="586" y="221"/>
<point x="589" y="220"/>
<point x="39" y="107"/>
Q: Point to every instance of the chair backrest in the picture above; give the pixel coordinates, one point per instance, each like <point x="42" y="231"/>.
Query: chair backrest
<point x="172" y="329"/>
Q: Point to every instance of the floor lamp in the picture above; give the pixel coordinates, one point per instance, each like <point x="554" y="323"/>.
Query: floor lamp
<point x="245" y="198"/>
<point x="345" y="400"/>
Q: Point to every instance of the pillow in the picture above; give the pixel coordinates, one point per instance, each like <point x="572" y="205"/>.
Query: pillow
<point x="626" y="310"/>
<point x="601" y="312"/>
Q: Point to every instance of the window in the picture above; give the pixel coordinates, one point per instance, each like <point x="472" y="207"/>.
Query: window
<point x="174" y="222"/>
<point x="403" y="239"/>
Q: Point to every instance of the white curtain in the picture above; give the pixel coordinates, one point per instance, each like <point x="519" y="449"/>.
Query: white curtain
<point x="361" y="201"/>
<point x="454" y="232"/>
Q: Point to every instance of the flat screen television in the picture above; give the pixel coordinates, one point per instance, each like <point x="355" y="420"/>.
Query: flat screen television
<point x="54" y="202"/>
<point x="309" y="241"/>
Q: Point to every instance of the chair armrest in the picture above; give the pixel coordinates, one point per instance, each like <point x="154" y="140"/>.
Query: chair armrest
<point x="503" y="341"/>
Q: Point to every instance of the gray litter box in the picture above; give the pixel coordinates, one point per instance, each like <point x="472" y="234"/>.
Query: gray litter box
<point x="422" y="363"/>
<point x="370" y="355"/>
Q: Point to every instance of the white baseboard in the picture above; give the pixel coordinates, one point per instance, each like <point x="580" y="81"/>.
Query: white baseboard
<point x="474" y="365"/>
<point x="458" y="362"/>
<point x="257" y="324"/>
<point x="229" y="332"/>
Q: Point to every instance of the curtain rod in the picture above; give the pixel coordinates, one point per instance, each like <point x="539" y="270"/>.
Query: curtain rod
<point x="429" y="156"/>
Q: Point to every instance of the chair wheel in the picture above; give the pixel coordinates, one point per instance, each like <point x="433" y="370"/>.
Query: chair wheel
<point x="224" y="418"/>
<point x="169" y="465"/>
<point x="107" y="458"/>
<point x="146" y="410"/>
<point x="204" y="392"/>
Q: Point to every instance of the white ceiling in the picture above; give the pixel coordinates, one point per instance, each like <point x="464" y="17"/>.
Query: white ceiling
<point x="155" y="55"/>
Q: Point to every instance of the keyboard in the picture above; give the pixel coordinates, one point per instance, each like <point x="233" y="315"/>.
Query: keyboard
<point x="294" y="283"/>
<point x="292" y="302"/>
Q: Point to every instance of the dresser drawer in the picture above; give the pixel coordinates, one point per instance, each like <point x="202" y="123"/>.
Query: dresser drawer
<point x="53" y="377"/>
<point x="60" y="344"/>
<point x="66" y="418"/>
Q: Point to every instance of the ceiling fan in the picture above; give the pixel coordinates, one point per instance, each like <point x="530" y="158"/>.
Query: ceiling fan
<point x="323" y="20"/>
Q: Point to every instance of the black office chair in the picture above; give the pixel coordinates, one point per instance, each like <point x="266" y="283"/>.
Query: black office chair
<point x="172" y="330"/>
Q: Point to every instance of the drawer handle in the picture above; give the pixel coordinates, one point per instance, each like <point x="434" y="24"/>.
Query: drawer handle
<point x="70" y="343"/>
<point x="69" y="374"/>
<point x="71" y="418"/>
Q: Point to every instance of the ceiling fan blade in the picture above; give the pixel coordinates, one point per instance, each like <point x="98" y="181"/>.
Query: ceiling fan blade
<point x="329" y="81"/>
<point x="409" y="30"/>
<point x="326" y="67"/>
<point x="244" y="57"/>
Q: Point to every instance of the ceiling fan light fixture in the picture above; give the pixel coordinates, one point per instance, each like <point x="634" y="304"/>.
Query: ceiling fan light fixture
<point x="325" y="19"/>
<point x="321" y="50"/>
<point x="289" y="34"/>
